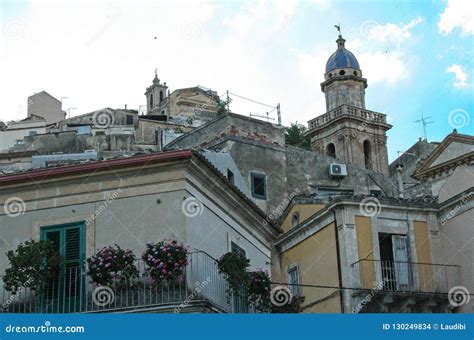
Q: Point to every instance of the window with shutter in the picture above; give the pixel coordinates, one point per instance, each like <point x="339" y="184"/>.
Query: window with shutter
<point x="64" y="292"/>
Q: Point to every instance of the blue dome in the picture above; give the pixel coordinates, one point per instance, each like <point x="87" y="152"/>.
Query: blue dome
<point x="342" y="58"/>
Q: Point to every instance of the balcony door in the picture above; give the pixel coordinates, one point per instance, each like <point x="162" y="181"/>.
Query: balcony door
<point x="395" y="267"/>
<point x="64" y="291"/>
<point x="400" y="257"/>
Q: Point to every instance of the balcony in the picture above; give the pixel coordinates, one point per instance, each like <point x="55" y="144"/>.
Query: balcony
<point x="346" y="110"/>
<point x="395" y="286"/>
<point x="406" y="276"/>
<point x="203" y="289"/>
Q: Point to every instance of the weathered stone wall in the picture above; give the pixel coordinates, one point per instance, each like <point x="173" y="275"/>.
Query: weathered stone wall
<point x="307" y="171"/>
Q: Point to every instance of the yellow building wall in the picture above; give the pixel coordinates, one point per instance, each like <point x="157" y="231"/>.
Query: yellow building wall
<point x="316" y="257"/>
<point x="423" y="253"/>
<point x="365" y="250"/>
<point x="305" y="211"/>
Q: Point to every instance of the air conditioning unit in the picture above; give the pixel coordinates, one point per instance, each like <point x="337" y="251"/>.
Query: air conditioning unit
<point x="337" y="170"/>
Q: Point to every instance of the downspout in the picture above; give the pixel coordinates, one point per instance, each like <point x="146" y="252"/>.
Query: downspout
<point x="339" y="270"/>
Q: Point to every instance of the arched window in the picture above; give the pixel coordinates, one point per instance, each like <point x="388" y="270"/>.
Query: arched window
<point x="331" y="150"/>
<point x="368" y="154"/>
<point x="161" y="96"/>
<point x="295" y="219"/>
<point x="151" y="101"/>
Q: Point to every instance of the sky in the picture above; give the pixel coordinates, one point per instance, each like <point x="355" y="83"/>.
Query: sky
<point x="417" y="56"/>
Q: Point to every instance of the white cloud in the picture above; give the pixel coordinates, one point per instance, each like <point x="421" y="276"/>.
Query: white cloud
<point x="383" y="67"/>
<point x="388" y="32"/>
<point x="265" y="16"/>
<point x="460" y="76"/>
<point x="457" y="14"/>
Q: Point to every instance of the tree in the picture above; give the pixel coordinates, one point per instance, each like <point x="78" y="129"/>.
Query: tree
<point x="294" y="135"/>
<point x="223" y="106"/>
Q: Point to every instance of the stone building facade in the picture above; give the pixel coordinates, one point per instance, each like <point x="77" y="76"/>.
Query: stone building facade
<point x="45" y="105"/>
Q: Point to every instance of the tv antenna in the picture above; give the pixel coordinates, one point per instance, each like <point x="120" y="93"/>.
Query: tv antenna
<point x="424" y="121"/>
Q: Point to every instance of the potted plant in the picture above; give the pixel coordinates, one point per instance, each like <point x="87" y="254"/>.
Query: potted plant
<point x="258" y="291"/>
<point x="234" y="267"/>
<point x="165" y="261"/>
<point x="31" y="265"/>
<point x="113" y="266"/>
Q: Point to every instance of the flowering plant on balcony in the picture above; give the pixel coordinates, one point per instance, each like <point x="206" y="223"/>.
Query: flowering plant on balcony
<point x="31" y="264"/>
<point x="234" y="267"/>
<point x="258" y="290"/>
<point x="165" y="260"/>
<point x="113" y="266"/>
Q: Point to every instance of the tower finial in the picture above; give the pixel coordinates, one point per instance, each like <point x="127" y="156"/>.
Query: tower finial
<point x="340" y="40"/>
<point x="338" y="26"/>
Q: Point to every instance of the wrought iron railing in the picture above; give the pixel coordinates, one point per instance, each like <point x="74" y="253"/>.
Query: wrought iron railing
<point x="405" y="276"/>
<point x="73" y="293"/>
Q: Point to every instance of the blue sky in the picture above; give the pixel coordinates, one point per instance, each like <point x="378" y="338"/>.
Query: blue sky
<point x="416" y="55"/>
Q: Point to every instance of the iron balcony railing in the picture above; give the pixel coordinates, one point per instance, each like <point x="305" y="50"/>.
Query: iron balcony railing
<point x="73" y="293"/>
<point x="406" y="276"/>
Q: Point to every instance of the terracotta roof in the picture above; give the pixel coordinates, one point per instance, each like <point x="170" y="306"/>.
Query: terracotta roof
<point x="94" y="166"/>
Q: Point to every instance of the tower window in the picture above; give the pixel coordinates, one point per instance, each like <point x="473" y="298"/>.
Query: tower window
<point x="331" y="150"/>
<point x="355" y="73"/>
<point x="129" y="120"/>
<point x="161" y="96"/>
<point x="295" y="219"/>
<point x="330" y="75"/>
<point x="368" y="155"/>
<point x="151" y="101"/>
<point x="230" y="176"/>
<point x="342" y="72"/>
<point x="259" y="189"/>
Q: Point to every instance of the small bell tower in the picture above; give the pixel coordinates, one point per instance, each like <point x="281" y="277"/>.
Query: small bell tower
<point x="155" y="95"/>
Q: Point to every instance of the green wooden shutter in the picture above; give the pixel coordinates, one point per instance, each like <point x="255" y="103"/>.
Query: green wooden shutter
<point x="63" y="291"/>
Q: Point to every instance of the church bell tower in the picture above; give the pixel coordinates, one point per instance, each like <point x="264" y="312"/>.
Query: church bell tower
<point x="155" y="95"/>
<point x="348" y="131"/>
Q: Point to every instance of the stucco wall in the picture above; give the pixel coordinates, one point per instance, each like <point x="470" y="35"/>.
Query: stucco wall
<point x="317" y="260"/>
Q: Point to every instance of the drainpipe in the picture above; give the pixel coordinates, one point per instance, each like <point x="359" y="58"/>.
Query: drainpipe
<point x="400" y="180"/>
<point x="339" y="269"/>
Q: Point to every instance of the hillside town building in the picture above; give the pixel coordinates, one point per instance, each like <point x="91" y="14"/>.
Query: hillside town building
<point x="340" y="227"/>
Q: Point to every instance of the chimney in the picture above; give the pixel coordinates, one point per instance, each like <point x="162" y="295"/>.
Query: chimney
<point x="400" y="180"/>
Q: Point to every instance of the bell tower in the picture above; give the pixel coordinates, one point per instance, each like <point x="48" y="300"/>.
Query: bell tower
<point x="348" y="131"/>
<point x="155" y="95"/>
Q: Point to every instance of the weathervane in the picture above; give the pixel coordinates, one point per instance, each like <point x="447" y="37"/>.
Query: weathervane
<point x="338" y="26"/>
